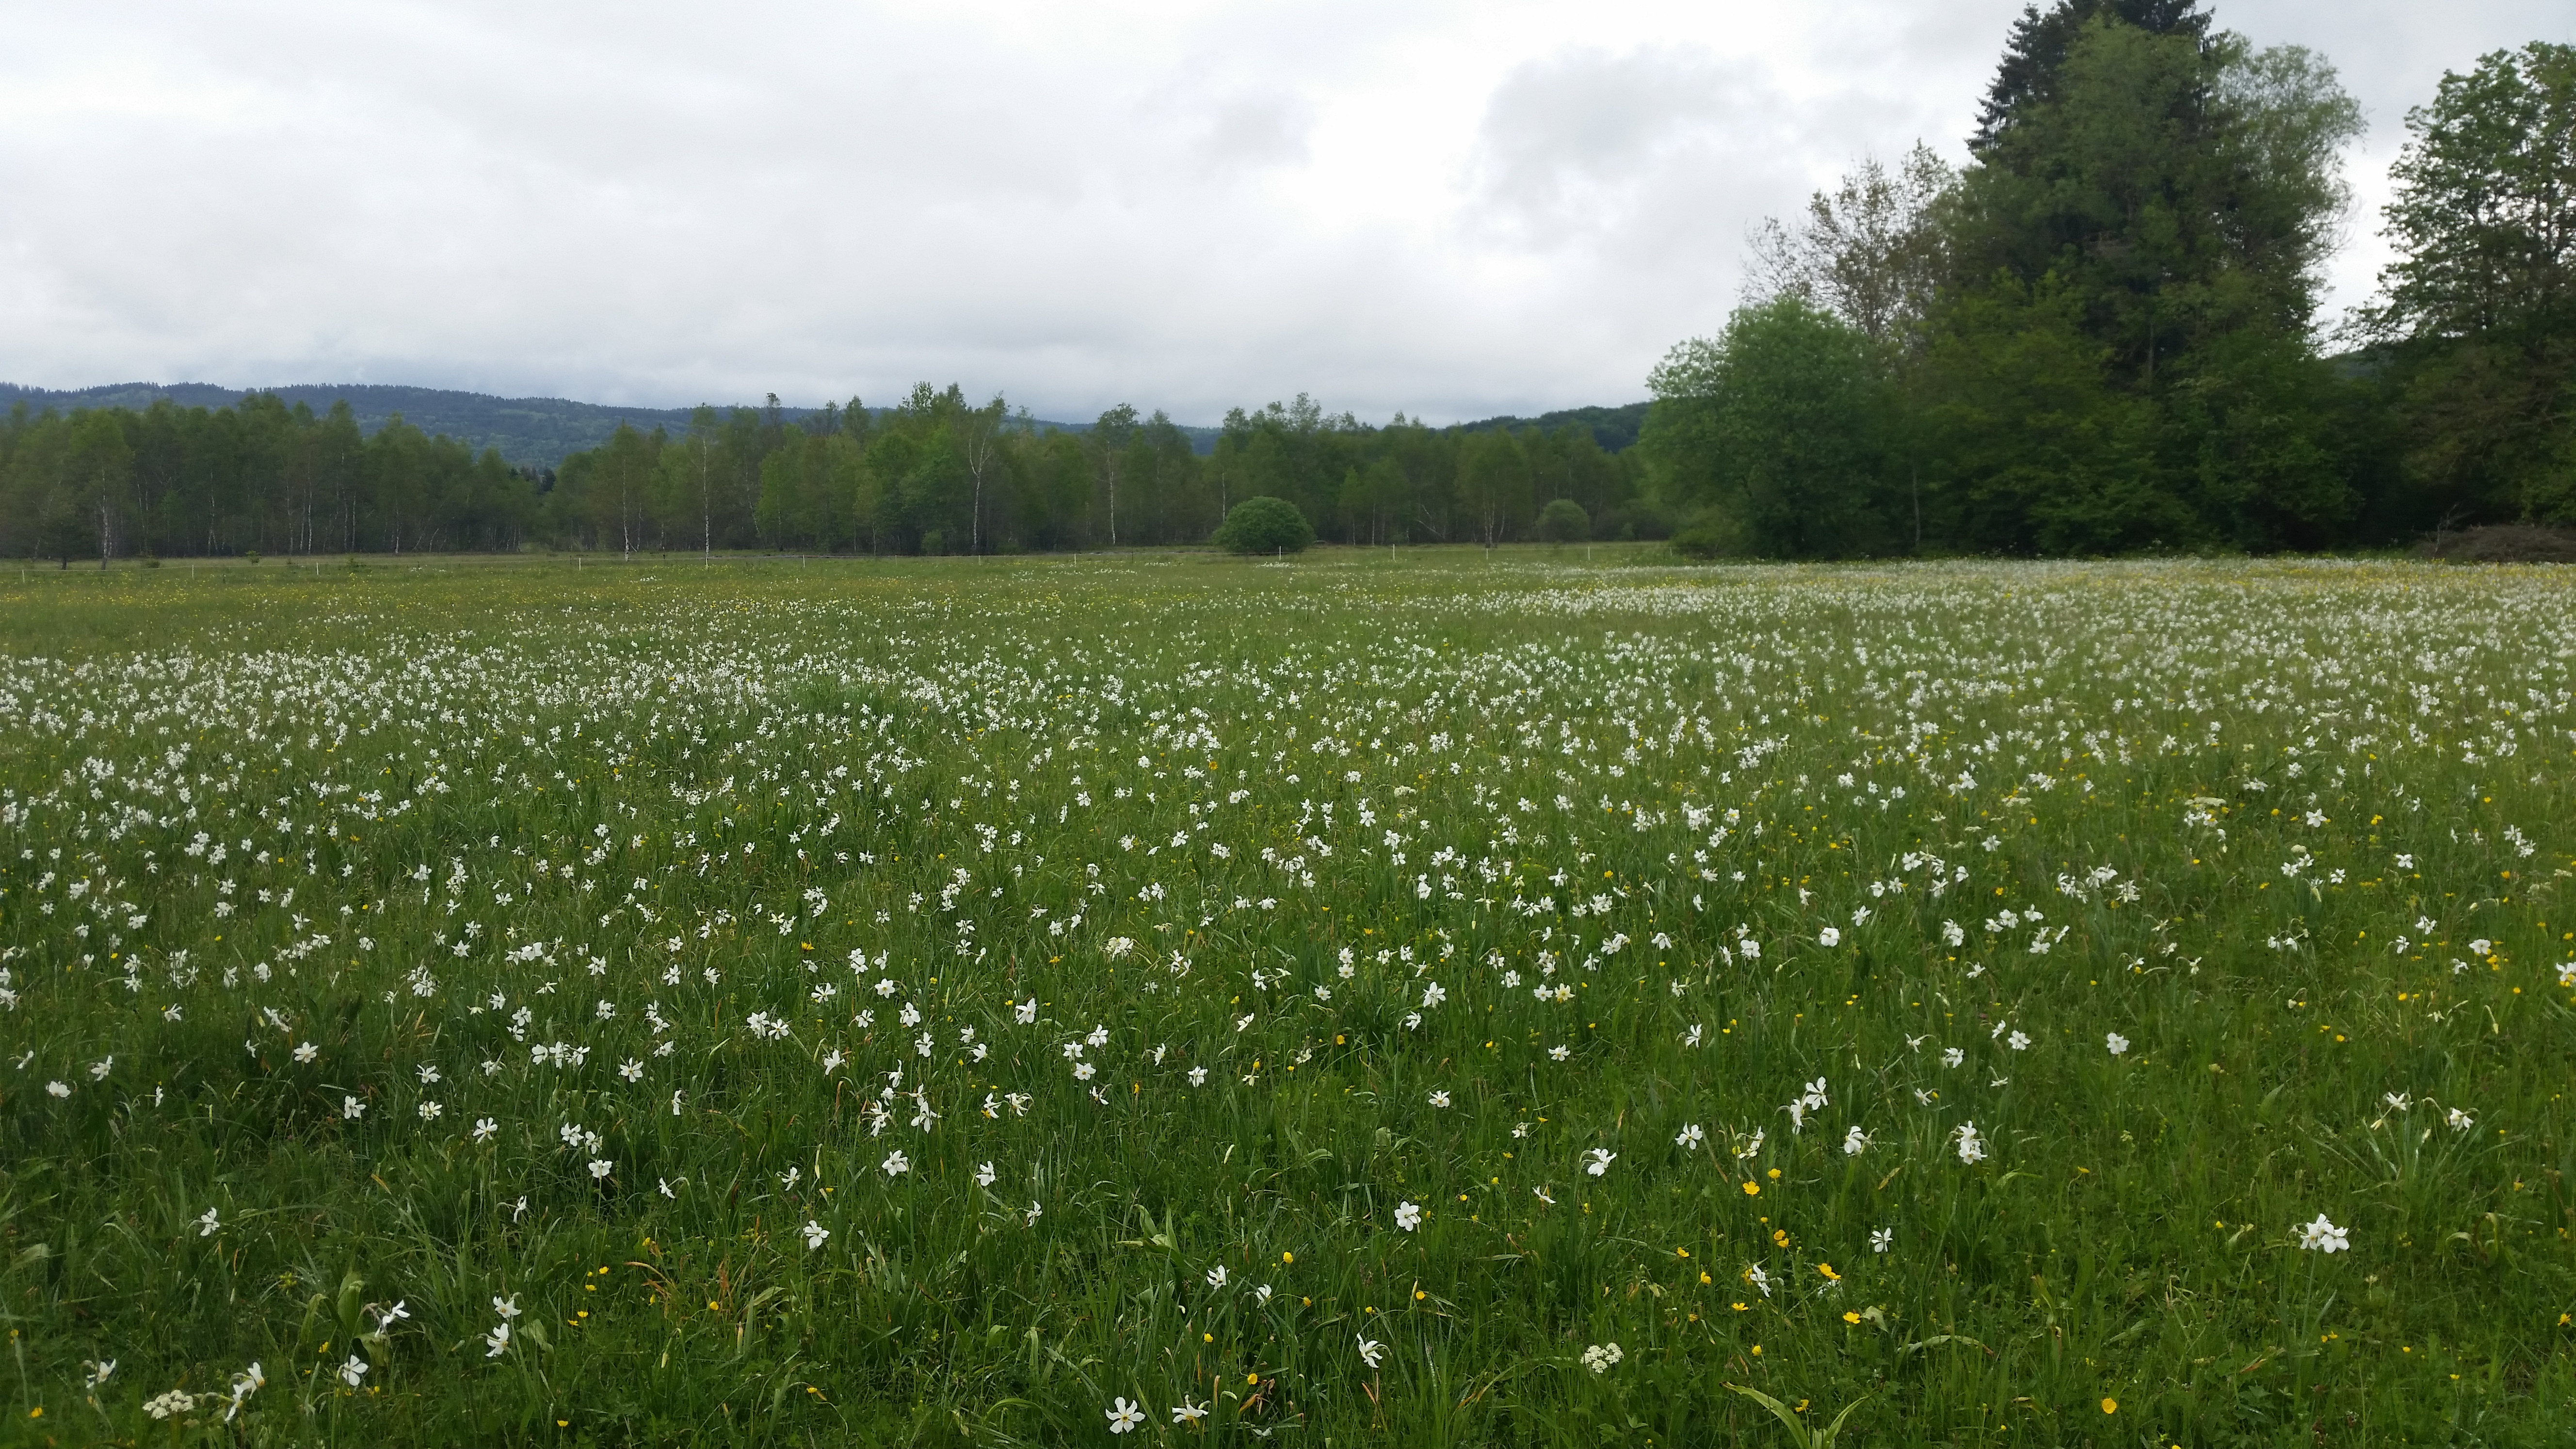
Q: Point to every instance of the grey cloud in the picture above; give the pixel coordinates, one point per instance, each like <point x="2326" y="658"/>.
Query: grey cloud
<point x="1571" y="143"/>
<point x="1256" y="131"/>
<point x="1449" y="209"/>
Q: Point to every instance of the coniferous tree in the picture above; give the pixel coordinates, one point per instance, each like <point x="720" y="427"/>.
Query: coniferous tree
<point x="2035" y="55"/>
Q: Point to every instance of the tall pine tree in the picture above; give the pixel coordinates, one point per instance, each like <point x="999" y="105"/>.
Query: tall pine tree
<point x="2035" y="56"/>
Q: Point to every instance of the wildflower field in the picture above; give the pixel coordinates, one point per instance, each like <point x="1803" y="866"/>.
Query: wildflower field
<point x="1442" y="999"/>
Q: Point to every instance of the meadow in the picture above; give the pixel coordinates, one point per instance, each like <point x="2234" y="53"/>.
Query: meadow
<point x="1436" y="998"/>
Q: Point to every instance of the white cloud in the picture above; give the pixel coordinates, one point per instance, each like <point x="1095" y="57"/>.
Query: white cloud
<point x="1451" y="209"/>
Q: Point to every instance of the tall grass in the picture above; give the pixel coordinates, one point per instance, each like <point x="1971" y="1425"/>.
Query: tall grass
<point x="304" y="877"/>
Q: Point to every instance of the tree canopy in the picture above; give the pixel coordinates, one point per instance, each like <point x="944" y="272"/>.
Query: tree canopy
<point x="2101" y="334"/>
<point x="1265" y="525"/>
<point x="937" y="472"/>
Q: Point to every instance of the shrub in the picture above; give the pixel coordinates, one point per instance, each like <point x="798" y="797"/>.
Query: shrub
<point x="1564" y="521"/>
<point x="1699" y="541"/>
<point x="2503" y="543"/>
<point x="1264" y="525"/>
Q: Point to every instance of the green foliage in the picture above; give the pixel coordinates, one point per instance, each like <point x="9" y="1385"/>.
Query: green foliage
<point x="1800" y="1435"/>
<point x="1870" y="251"/>
<point x="2181" y="190"/>
<point x="1610" y="428"/>
<point x="2034" y="60"/>
<point x="934" y="473"/>
<point x="2027" y="446"/>
<point x="532" y="433"/>
<point x="1777" y="426"/>
<point x="1493" y="485"/>
<point x="1265" y="525"/>
<point x="2095" y="339"/>
<point x="2477" y="317"/>
<point x="1563" y="521"/>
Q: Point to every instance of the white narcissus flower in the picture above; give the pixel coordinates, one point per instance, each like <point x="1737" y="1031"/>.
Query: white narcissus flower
<point x="1855" y="1142"/>
<point x="1124" y="1416"/>
<point x="1372" y="1352"/>
<point x="2116" y="1043"/>
<point x="1598" y="1160"/>
<point x="1829" y="936"/>
<point x="896" y="1164"/>
<point x="2322" y="1236"/>
<point x="245" y="1384"/>
<point x="1691" y="1137"/>
<point x="815" y="1233"/>
<point x="1408" y="1216"/>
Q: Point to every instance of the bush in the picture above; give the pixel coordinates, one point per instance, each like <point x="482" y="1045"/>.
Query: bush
<point x="1264" y="525"/>
<point x="2503" y="543"/>
<point x="1564" y="521"/>
<point x="1637" y="518"/>
<point x="1699" y="541"/>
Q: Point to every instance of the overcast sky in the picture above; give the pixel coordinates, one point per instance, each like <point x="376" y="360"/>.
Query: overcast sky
<point x="1449" y="210"/>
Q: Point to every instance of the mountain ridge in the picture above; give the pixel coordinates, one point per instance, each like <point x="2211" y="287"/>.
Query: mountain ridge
<point x="539" y="432"/>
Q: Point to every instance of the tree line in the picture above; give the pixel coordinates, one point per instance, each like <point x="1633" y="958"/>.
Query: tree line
<point x="936" y="473"/>
<point x="2101" y="335"/>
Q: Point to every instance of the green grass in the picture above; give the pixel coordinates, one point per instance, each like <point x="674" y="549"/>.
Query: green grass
<point x="438" y="818"/>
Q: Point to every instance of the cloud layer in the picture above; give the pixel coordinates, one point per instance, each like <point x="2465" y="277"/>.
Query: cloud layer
<point x="1452" y="210"/>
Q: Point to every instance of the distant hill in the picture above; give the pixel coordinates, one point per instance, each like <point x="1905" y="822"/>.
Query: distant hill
<point x="537" y="432"/>
<point x="534" y="432"/>
<point x="1613" y="428"/>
